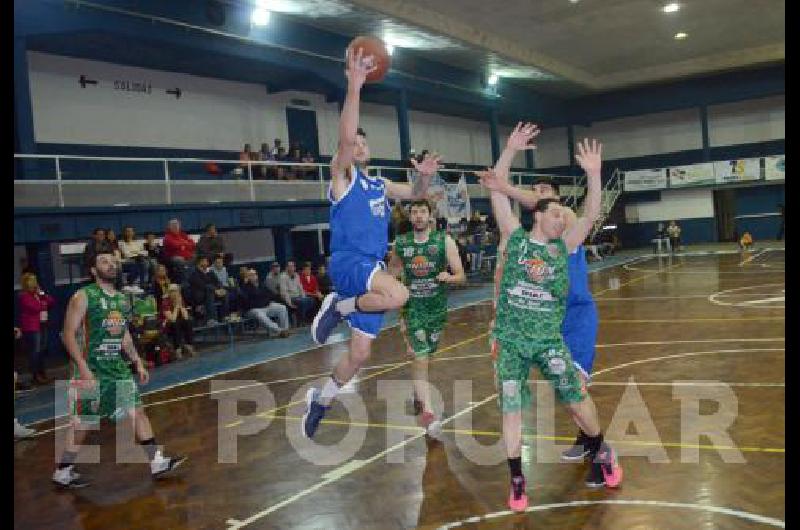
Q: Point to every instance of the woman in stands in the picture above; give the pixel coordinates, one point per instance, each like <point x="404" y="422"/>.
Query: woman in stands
<point x="177" y="322"/>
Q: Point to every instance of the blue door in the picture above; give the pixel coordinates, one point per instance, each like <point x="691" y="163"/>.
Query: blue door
<point x="303" y="129"/>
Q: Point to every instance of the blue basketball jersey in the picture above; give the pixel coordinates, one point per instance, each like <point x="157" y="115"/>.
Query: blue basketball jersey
<point x="579" y="292"/>
<point x="360" y="218"/>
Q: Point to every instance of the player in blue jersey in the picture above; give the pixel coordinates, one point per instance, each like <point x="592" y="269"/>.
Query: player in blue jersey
<point x="579" y="328"/>
<point x="359" y="224"/>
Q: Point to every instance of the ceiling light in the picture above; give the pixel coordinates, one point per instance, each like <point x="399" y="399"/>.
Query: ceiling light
<point x="671" y="8"/>
<point x="493" y="79"/>
<point x="260" y="17"/>
<point x="681" y="35"/>
<point x="574" y="1"/>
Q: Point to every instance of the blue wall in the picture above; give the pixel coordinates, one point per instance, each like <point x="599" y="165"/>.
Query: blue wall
<point x="692" y="231"/>
<point x="760" y="200"/>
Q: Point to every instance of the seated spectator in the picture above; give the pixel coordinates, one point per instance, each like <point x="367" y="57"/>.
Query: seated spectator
<point x="310" y="283"/>
<point x="135" y="260"/>
<point x="324" y="281"/>
<point x="273" y="279"/>
<point x="243" y="272"/>
<point x="260" y="303"/>
<point x="294" y="172"/>
<point x="111" y="237"/>
<point x="178" y="250"/>
<point x="97" y="245"/>
<point x="153" y="250"/>
<point x="178" y="322"/>
<point x="280" y="156"/>
<point x="294" y="296"/>
<point x="309" y="171"/>
<point x="205" y="291"/>
<point x="34" y="306"/>
<point x="746" y="241"/>
<point x="160" y="284"/>
<point x="674" y="233"/>
<point x="211" y="244"/>
<point x="276" y="148"/>
<point x="245" y="155"/>
<point x="265" y="154"/>
<point x="218" y="269"/>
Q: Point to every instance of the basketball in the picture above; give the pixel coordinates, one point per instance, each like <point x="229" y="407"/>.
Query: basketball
<point x="377" y="48"/>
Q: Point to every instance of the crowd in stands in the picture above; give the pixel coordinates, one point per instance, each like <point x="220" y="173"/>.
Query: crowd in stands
<point x="277" y="153"/>
<point x="178" y="288"/>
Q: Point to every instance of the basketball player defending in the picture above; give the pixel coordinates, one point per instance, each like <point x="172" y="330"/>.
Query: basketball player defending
<point x="359" y="223"/>
<point x="423" y="256"/>
<point x="579" y="328"/>
<point x="101" y="384"/>
<point x="530" y="309"/>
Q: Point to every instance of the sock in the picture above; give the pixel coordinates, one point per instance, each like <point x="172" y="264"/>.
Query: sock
<point x="515" y="465"/>
<point x="150" y="448"/>
<point x="346" y="306"/>
<point x="593" y="443"/>
<point x="67" y="459"/>
<point x="329" y="391"/>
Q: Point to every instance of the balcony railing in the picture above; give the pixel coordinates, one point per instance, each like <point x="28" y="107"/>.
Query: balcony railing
<point x="86" y="181"/>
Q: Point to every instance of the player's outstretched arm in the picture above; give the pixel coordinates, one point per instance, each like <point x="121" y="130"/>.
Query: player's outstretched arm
<point x="419" y="190"/>
<point x="507" y="222"/>
<point x="521" y="139"/>
<point x="454" y="262"/>
<point x="590" y="158"/>
<point x="357" y="68"/>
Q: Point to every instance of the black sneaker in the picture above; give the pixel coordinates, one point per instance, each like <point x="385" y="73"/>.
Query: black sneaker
<point x="595" y="478"/>
<point x="417" y="404"/>
<point x="578" y="451"/>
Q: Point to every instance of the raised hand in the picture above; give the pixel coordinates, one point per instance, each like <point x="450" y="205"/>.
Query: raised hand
<point x="429" y="165"/>
<point x="359" y="67"/>
<point x="490" y="180"/>
<point x="590" y="156"/>
<point x="522" y="135"/>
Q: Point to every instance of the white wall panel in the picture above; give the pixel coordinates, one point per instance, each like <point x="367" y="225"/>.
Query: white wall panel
<point x="749" y="121"/>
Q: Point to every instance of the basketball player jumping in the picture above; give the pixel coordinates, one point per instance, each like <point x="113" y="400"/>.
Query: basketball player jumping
<point x="530" y="310"/>
<point x="102" y="385"/>
<point x="359" y="224"/>
<point x="423" y="256"/>
<point x="579" y="328"/>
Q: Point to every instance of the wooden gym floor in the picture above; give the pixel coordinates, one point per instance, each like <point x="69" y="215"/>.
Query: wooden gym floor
<point x="672" y="330"/>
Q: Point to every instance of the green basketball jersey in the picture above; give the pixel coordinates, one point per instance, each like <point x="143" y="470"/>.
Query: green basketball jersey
<point x="104" y="328"/>
<point x="422" y="263"/>
<point x="533" y="290"/>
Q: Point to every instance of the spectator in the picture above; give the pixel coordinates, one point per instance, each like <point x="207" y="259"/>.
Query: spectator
<point x="324" y="281"/>
<point x="226" y="282"/>
<point x="245" y="155"/>
<point x="243" y="272"/>
<point x="475" y="222"/>
<point x="309" y="171"/>
<point x="34" y="306"/>
<point x="178" y="323"/>
<point x="295" y="156"/>
<point x="276" y="149"/>
<point x="111" y="237"/>
<point x="265" y="154"/>
<point x="309" y="282"/>
<point x="273" y="279"/>
<point x="674" y="233"/>
<point x="260" y="303"/>
<point x="153" y="250"/>
<point x="160" y="284"/>
<point x="292" y="292"/>
<point x="97" y="245"/>
<point x="135" y="261"/>
<point x="205" y="291"/>
<point x="178" y="250"/>
<point x="746" y="241"/>
<point x="210" y="243"/>
<point x="282" y="172"/>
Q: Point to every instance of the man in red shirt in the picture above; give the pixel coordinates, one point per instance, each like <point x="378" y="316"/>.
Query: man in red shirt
<point x="309" y="283"/>
<point x="178" y="249"/>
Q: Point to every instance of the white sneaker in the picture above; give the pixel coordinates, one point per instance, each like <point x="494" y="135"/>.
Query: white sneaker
<point x="20" y="431"/>
<point x="161" y="465"/>
<point x="68" y="478"/>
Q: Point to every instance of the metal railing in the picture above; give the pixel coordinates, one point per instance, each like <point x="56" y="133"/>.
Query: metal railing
<point x="611" y="191"/>
<point x="76" y="181"/>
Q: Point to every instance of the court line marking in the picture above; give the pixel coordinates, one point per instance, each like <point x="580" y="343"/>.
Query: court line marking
<point x="497" y="434"/>
<point x="688" y="296"/>
<point x="625" y="502"/>
<point x="678" y="356"/>
<point x="398" y="364"/>
<point x="685" y="320"/>
<point x="625" y="266"/>
<point x="753" y="257"/>
<point x="333" y="476"/>
<point x="713" y="298"/>
<point x="235" y="524"/>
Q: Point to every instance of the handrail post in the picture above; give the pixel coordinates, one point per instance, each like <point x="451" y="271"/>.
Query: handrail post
<point x="321" y="176"/>
<point x="60" y="184"/>
<point x="250" y="176"/>
<point x="166" y="181"/>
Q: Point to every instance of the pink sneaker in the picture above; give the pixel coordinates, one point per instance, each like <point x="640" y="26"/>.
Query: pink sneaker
<point x="612" y="471"/>
<point x="517" y="500"/>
